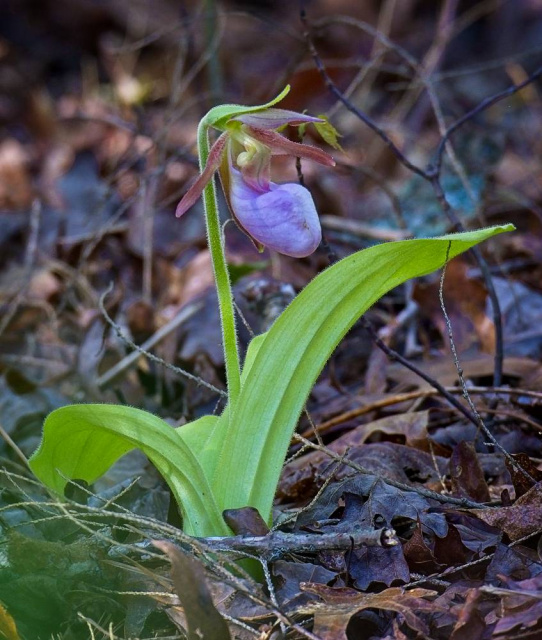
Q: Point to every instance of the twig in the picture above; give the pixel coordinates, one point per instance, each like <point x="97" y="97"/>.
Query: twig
<point x="467" y="565"/>
<point x="389" y="401"/>
<point x="353" y="109"/>
<point x="488" y="279"/>
<point x="426" y="493"/>
<point x="126" y="362"/>
<point x="434" y="169"/>
<point x="394" y="355"/>
<point x="278" y="543"/>
<point x="9" y="440"/>
<point x="479" y="422"/>
<point x="432" y="172"/>
<point x="360" y="229"/>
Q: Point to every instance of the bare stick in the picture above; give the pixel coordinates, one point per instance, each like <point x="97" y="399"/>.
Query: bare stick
<point x="426" y="493"/>
<point x="432" y="172"/>
<point x="388" y="401"/>
<point x="278" y="543"/>
<point x="480" y="423"/>
<point x="126" y="362"/>
<point x="482" y="106"/>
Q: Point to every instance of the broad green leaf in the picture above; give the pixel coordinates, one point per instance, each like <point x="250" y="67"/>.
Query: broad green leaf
<point x="83" y="441"/>
<point x="204" y="436"/>
<point x="201" y="437"/>
<point x="296" y="349"/>
<point x="217" y="117"/>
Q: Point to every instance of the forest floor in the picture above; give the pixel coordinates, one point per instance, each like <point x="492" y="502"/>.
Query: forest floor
<point x="99" y="106"/>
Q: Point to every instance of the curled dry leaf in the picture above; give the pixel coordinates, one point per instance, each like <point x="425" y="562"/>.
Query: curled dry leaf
<point x="520" y="482"/>
<point x="341" y="603"/>
<point x="521" y="608"/>
<point x="8" y="630"/>
<point x="466" y="473"/>
<point x="521" y="519"/>
<point x="203" y="620"/>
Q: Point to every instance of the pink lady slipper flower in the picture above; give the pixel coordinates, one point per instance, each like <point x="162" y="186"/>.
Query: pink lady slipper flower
<point x="279" y="216"/>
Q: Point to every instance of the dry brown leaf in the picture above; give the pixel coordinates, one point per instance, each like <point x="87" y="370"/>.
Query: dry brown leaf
<point x="15" y="185"/>
<point x="341" y="603"/>
<point x="8" y="629"/>
<point x="521" y="519"/>
<point x="203" y="620"/>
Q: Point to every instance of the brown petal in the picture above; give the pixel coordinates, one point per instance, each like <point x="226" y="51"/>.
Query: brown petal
<point x="213" y="162"/>
<point x="280" y="145"/>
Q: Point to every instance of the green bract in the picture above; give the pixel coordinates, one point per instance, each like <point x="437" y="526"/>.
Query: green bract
<point x="218" y="117"/>
<point x="235" y="460"/>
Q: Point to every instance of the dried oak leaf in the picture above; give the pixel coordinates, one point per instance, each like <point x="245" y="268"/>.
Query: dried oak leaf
<point x="470" y="624"/>
<point x="521" y="606"/>
<point x="450" y="550"/>
<point x="520" y="482"/>
<point x="288" y="576"/>
<point x="341" y="603"/>
<point x="387" y="459"/>
<point x="519" y="520"/>
<point x="419" y="554"/>
<point x="377" y="564"/>
<point x="203" y="620"/>
<point x="466" y="473"/>
<point x="368" y="503"/>
<point x="516" y="563"/>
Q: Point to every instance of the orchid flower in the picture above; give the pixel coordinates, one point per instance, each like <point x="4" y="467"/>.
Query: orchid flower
<point x="279" y="216"/>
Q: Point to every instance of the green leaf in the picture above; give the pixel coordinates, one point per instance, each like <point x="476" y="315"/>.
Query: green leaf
<point x="328" y="132"/>
<point x="295" y="350"/>
<point x="204" y="436"/>
<point x="83" y="441"/>
<point x="217" y="117"/>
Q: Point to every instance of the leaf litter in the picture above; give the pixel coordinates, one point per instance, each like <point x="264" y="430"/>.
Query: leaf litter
<point x="94" y="159"/>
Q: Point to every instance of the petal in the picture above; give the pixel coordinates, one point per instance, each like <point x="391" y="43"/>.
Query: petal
<point x="283" y="218"/>
<point x="213" y="162"/>
<point x="275" y="118"/>
<point x="280" y="145"/>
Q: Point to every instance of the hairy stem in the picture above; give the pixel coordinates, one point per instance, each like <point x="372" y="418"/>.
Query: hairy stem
<point x="222" y="278"/>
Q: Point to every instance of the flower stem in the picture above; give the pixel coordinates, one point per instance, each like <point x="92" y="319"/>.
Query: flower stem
<point x="222" y="278"/>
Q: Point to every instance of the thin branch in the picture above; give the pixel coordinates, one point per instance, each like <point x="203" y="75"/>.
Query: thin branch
<point x="394" y="355"/>
<point x="486" y="274"/>
<point x="426" y="493"/>
<point x="108" y="376"/>
<point x="278" y="543"/>
<point x="399" y="398"/>
<point x="353" y="109"/>
<point x="432" y="172"/>
<point x="434" y="169"/>
<point x="479" y="422"/>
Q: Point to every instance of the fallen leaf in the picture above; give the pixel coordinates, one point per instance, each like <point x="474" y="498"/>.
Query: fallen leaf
<point x="203" y="620"/>
<point x="517" y="563"/>
<point x="418" y="553"/>
<point x="8" y="629"/>
<point x="466" y="473"/>
<point x="520" y="482"/>
<point x="470" y="624"/>
<point x="370" y="565"/>
<point x="341" y="603"/>
<point x="245" y="521"/>
<point x="519" y="520"/>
